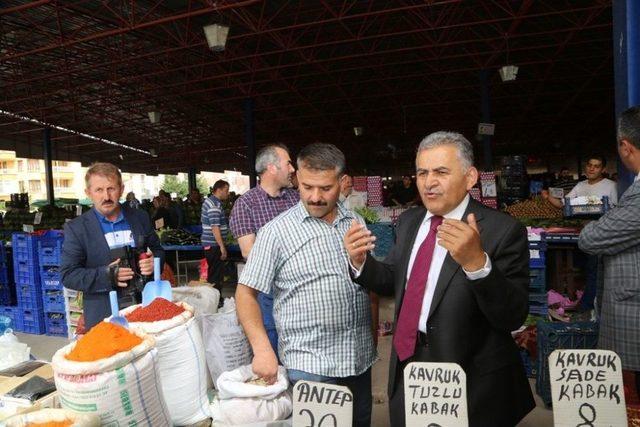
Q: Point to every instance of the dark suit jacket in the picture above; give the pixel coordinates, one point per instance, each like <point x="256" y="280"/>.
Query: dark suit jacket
<point x="86" y="255"/>
<point x="469" y="322"/>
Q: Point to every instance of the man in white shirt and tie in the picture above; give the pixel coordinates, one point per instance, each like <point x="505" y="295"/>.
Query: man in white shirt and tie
<point x="460" y="275"/>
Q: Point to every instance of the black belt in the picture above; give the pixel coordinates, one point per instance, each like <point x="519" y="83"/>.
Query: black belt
<point x="422" y="339"/>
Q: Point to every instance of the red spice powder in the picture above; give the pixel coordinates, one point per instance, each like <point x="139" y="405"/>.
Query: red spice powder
<point x="159" y="309"/>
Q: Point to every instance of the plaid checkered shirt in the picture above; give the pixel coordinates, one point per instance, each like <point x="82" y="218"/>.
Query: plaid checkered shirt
<point x="256" y="207"/>
<point x="323" y="318"/>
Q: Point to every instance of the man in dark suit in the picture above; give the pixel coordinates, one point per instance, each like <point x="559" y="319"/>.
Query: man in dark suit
<point x="95" y="241"/>
<point x="460" y="274"/>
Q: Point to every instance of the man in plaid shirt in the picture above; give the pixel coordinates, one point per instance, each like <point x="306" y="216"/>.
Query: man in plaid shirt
<point x="615" y="237"/>
<point x="272" y="196"/>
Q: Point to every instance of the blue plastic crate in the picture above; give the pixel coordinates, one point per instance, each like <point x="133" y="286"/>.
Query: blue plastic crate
<point x="26" y="271"/>
<point x="53" y="301"/>
<point x="527" y="363"/>
<point x="538" y="262"/>
<point x="538" y="309"/>
<point x="538" y="298"/>
<point x="537" y="279"/>
<point x="538" y="245"/>
<point x="50" y="278"/>
<point x="29" y="296"/>
<point x="559" y="335"/>
<point x="31" y="321"/>
<point x="55" y="324"/>
<point x="7" y="294"/>
<point x="50" y="247"/>
<point x="3" y="253"/>
<point x="25" y="246"/>
<point x="4" y="273"/>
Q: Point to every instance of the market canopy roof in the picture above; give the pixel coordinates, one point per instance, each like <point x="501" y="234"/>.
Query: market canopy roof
<point x="315" y="71"/>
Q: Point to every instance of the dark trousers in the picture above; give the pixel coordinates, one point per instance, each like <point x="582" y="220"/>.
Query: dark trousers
<point x="359" y="385"/>
<point x="215" y="267"/>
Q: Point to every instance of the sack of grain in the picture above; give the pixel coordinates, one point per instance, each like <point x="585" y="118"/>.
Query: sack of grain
<point x="242" y="399"/>
<point x="123" y="389"/>
<point x="60" y="416"/>
<point x="181" y="362"/>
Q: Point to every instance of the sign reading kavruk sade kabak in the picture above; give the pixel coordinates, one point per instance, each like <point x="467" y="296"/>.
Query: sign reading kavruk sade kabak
<point x="586" y="388"/>
<point x="435" y="395"/>
<point x="321" y="405"/>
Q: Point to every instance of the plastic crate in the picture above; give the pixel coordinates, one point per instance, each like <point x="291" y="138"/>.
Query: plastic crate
<point x="527" y="363"/>
<point x="7" y="294"/>
<point x="4" y="273"/>
<point x="50" y="278"/>
<point x="384" y="238"/>
<point x="538" y="245"/>
<point x="538" y="298"/>
<point x="26" y="271"/>
<point x="3" y="253"/>
<point x="29" y="296"/>
<point x="50" y="247"/>
<point x="559" y="335"/>
<point x="55" y="324"/>
<point x="538" y="309"/>
<point x="53" y="301"/>
<point x="540" y="262"/>
<point x="31" y="321"/>
<point x="25" y="246"/>
<point x="578" y="210"/>
<point x="537" y="280"/>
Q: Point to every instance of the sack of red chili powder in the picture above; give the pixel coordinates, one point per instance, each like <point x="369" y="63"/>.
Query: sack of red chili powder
<point x="118" y="380"/>
<point x="181" y="360"/>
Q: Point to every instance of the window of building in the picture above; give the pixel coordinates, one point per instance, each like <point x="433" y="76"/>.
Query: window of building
<point x="4" y="166"/>
<point x="34" y="185"/>
<point x="20" y="166"/>
<point x="33" y="165"/>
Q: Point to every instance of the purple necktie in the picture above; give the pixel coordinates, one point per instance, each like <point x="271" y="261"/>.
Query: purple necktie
<point x="404" y="339"/>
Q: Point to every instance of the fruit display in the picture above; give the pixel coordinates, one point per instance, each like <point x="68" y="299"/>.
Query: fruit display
<point x="535" y="207"/>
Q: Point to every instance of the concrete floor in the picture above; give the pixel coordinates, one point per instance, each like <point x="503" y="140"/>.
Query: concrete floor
<point x="43" y="347"/>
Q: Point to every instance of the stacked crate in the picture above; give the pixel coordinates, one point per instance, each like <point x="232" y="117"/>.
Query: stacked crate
<point x="489" y="189"/>
<point x="537" y="274"/>
<point x="7" y="285"/>
<point x="53" y="297"/>
<point x="29" y="316"/>
<point x="514" y="183"/>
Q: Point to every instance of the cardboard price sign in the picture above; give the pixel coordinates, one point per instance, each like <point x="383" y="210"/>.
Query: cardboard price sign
<point x="321" y="405"/>
<point x="435" y="394"/>
<point x="586" y="388"/>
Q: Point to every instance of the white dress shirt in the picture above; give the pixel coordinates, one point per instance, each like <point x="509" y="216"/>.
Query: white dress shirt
<point x="439" y="254"/>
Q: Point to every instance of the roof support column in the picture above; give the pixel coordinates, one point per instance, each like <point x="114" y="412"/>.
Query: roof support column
<point x="191" y="178"/>
<point x="250" y="140"/>
<point x="626" y="55"/>
<point x="46" y="151"/>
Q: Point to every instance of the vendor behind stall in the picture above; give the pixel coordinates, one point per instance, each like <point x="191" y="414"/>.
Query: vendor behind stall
<point x="595" y="184"/>
<point x="95" y="242"/>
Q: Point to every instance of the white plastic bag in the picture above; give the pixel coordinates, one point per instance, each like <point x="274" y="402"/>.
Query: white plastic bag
<point x="181" y="363"/>
<point x="12" y="351"/>
<point x="53" y="415"/>
<point x="204" y="298"/>
<point x="226" y="346"/>
<point x="123" y="389"/>
<point x="240" y="403"/>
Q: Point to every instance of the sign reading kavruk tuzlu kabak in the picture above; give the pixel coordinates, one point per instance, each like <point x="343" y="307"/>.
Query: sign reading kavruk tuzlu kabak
<point x="435" y="394"/>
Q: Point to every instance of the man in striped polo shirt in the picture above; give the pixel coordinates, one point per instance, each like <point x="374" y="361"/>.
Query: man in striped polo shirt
<point x="323" y="318"/>
<point x="214" y="233"/>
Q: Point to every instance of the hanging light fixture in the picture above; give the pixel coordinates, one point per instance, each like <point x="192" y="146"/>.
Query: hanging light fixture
<point x="508" y="73"/>
<point x="216" y="35"/>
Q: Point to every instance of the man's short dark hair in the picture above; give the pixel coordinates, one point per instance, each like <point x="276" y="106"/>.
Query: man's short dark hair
<point x="629" y="126"/>
<point x="602" y="159"/>
<point x="219" y="184"/>
<point x="322" y="157"/>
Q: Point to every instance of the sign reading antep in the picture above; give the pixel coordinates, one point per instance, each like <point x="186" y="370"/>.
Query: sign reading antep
<point x="321" y="405"/>
<point x="586" y="388"/>
<point x="435" y="395"/>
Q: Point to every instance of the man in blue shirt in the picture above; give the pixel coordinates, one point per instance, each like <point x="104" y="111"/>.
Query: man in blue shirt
<point x="214" y="233"/>
<point x="95" y="240"/>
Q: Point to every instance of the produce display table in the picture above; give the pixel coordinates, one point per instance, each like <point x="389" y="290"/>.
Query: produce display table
<point x="192" y="251"/>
